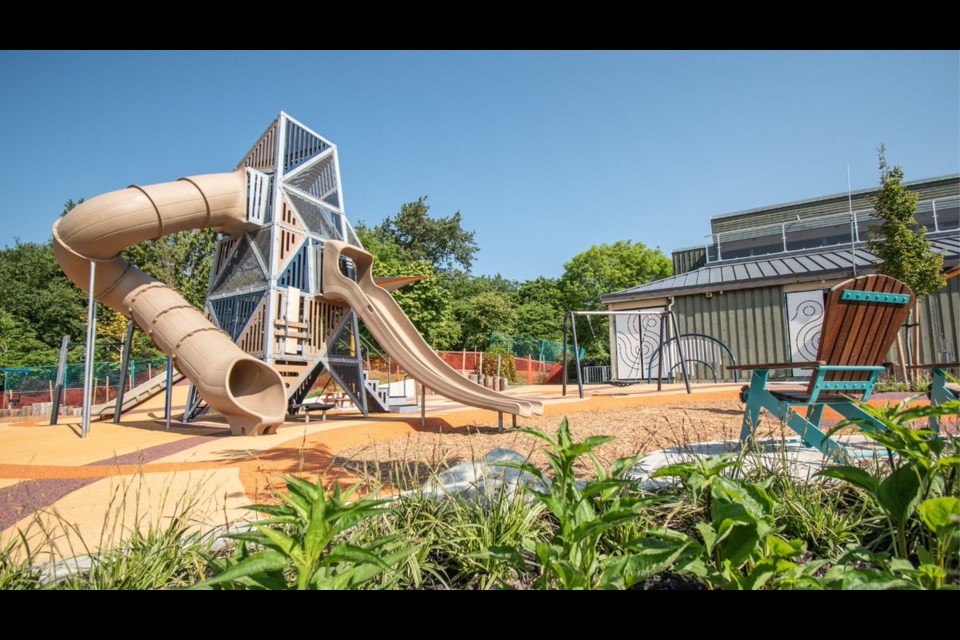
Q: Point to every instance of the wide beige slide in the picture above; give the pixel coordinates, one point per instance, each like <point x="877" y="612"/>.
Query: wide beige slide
<point x="396" y="334"/>
<point x="248" y="392"/>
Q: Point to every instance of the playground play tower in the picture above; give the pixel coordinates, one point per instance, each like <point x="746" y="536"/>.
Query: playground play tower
<point x="265" y="285"/>
<point x="288" y="285"/>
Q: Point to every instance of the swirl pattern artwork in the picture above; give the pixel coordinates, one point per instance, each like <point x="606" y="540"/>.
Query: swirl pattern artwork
<point x="638" y="337"/>
<point x="805" y="318"/>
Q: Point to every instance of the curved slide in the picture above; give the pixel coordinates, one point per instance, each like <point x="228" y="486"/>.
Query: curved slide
<point x="248" y="392"/>
<point x="395" y="333"/>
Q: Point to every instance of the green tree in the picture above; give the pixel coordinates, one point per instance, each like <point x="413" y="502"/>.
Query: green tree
<point x="483" y="314"/>
<point x="36" y="294"/>
<point x="606" y="268"/>
<point x="540" y="321"/>
<point x="427" y="303"/>
<point x="541" y="290"/>
<point x="19" y="346"/>
<point x="182" y="260"/>
<point x="603" y="269"/>
<point x="443" y="242"/>
<point x="904" y="253"/>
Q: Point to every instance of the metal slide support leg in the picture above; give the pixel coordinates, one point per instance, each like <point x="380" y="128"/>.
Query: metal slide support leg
<point x="683" y="362"/>
<point x="168" y="396"/>
<point x="61" y="374"/>
<point x="563" y="376"/>
<point x="576" y="353"/>
<point x="124" y="365"/>
<point x="423" y="406"/>
<point x="514" y="421"/>
<point x="500" y="422"/>
<point x="88" y="356"/>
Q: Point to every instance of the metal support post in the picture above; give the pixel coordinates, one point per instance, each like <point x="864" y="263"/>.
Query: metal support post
<point x="683" y="362"/>
<point x="88" y="356"/>
<point x="576" y="353"/>
<point x="61" y="374"/>
<point x="124" y="366"/>
<point x="563" y="376"/>
<point x="423" y="406"/>
<point x="168" y="396"/>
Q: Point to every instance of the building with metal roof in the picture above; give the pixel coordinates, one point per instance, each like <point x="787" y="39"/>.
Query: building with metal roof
<point x="757" y="283"/>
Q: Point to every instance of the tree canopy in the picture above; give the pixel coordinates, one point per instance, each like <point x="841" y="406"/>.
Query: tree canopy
<point x="443" y="242"/>
<point x="898" y="241"/>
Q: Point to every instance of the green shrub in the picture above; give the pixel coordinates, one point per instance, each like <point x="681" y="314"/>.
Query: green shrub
<point x="508" y="363"/>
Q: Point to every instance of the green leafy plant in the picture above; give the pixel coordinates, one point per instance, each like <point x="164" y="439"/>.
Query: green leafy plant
<point x="303" y="539"/>
<point x="572" y="557"/>
<point x="921" y="465"/>
<point x="738" y="546"/>
<point x="508" y="364"/>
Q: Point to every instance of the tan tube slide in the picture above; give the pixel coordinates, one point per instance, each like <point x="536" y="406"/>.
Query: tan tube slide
<point x="395" y="333"/>
<point x="248" y="392"/>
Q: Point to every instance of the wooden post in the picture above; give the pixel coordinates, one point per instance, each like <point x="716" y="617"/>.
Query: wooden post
<point x="901" y="358"/>
<point x="917" y="357"/>
<point x="50" y="382"/>
<point x="463" y="366"/>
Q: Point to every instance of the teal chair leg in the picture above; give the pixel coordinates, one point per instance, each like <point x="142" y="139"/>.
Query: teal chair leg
<point x="755" y="397"/>
<point x="815" y="415"/>
<point x="810" y="433"/>
<point x="939" y="394"/>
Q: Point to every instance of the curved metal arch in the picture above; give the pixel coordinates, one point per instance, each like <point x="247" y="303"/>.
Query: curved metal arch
<point x="655" y="356"/>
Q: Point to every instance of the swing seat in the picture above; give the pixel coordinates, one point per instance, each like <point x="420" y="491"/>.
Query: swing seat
<point x="861" y="319"/>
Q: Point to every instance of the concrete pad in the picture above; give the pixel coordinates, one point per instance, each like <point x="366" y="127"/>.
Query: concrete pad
<point x="787" y="455"/>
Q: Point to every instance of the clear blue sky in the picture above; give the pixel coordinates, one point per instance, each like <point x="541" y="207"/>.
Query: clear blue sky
<point x="544" y="154"/>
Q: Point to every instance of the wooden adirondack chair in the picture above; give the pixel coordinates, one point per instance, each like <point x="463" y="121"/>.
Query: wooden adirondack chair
<point x="860" y="323"/>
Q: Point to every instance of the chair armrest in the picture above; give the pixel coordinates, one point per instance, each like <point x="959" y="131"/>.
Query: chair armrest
<point x="777" y="365"/>
<point x="940" y="365"/>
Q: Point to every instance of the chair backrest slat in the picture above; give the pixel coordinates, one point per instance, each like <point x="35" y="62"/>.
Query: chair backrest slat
<point x="860" y="332"/>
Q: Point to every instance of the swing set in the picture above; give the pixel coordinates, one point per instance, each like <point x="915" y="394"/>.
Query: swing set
<point x="665" y="315"/>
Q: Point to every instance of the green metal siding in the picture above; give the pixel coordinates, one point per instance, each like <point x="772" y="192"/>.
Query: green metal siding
<point x="750" y="321"/>
<point x="685" y="260"/>
<point x="824" y="207"/>
<point x="940" y="324"/>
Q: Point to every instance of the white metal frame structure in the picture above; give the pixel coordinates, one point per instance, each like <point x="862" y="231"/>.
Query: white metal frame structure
<point x="265" y="285"/>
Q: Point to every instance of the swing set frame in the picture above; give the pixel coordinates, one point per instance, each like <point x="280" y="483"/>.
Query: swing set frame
<point x="666" y="315"/>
